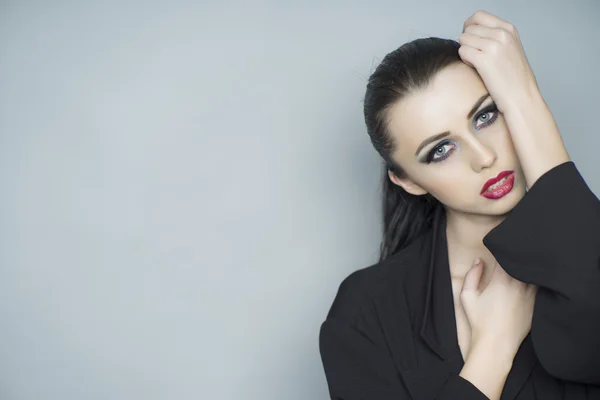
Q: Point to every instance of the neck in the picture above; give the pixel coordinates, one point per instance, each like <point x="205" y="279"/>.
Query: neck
<point x="464" y="234"/>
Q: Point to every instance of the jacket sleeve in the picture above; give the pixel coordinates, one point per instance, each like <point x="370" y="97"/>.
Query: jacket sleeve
<point x="551" y="239"/>
<point x="359" y="367"/>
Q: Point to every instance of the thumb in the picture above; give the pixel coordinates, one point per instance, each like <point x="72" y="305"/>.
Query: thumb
<point x="473" y="276"/>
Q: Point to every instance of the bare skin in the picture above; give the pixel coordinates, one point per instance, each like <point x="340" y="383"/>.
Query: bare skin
<point x="493" y="310"/>
<point x="461" y="262"/>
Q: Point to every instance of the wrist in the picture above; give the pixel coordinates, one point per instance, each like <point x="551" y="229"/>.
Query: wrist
<point x="495" y="351"/>
<point x="529" y="99"/>
<point x="487" y="369"/>
<point x="534" y="133"/>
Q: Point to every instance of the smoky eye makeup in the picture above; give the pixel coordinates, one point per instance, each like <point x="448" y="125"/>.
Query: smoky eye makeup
<point x="431" y="154"/>
<point x="491" y="108"/>
<point x="430" y="157"/>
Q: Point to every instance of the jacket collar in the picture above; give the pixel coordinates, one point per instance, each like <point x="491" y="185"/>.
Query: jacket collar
<point x="438" y="321"/>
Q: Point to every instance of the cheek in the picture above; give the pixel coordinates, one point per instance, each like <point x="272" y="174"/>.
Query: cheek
<point x="498" y="138"/>
<point x="501" y="130"/>
<point x="509" y="142"/>
<point x="454" y="184"/>
<point x="445" y="188"/>
<point x="505" y="144"/>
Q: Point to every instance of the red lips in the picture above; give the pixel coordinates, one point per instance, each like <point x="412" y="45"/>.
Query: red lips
<point x="490" y="182"/>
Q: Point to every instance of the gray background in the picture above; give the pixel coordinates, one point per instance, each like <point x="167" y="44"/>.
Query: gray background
<point x="183" y="185"/>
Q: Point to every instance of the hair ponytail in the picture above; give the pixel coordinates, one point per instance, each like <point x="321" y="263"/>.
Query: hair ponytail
<point x="405" y="216"/>
<point x="404" y="70"/>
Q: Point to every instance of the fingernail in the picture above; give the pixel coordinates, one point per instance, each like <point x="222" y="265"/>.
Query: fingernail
<point x="477" y="261"/>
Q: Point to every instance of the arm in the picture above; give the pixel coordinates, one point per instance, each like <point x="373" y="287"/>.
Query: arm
<point x="493" y="47"/>
<point x="535" y="136"/>
<point x="552" y="239"/>
<point x="358" y="366"/>
<point x="487" y="369"/>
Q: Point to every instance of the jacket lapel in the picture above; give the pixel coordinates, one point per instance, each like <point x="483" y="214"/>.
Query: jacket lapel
<point x="523" y="364"/>
<point x="438" y="321"/>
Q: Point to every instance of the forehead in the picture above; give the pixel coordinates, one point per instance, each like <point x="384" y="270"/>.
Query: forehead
<point x="441" y="106"/>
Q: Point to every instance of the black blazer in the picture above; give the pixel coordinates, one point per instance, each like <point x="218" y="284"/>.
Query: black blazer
<point x="390" y="333"/>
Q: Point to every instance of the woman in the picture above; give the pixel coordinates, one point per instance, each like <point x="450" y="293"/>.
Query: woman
<point x="483" y="288"/>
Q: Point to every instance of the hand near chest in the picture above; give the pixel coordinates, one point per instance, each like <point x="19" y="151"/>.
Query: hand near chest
<point x="499" y="314"/>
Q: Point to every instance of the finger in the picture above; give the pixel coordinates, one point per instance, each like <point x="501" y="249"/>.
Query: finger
<point x="473" y="277"/>
<point x="469" y="55"/>
<point x="497" y="34"/>
<point x="481" y="17"/>
<point x="476" y="42"/>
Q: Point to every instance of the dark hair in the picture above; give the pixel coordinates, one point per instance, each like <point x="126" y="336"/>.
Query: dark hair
<point x="406" y="69"/>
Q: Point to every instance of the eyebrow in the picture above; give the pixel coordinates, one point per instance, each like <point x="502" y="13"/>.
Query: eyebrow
<point x="444" y="134"/>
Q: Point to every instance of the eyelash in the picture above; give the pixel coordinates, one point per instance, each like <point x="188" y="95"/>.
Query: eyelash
<point x="489" y="109"/>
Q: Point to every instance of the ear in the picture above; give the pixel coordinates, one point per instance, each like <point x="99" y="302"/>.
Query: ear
<point x="407" y="184"/>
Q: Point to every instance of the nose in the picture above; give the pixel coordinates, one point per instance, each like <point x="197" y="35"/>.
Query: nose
<point x="483" y="155"/>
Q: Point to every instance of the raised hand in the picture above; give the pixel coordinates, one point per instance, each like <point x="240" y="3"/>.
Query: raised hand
<point x="499" y="315"/>
<point x="493" y="47"/>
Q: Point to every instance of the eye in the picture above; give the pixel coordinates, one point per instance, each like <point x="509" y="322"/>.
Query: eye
<point x="486" y="117"/>
<point x="440" y="152"/>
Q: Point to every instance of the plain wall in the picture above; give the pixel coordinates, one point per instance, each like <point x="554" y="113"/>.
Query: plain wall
<point x="183" y="185"/>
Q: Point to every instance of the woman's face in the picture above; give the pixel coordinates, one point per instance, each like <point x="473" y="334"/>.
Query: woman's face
<point x="476" y="145"/>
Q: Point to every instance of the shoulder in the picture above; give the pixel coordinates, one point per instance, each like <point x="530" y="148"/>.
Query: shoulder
<point x="361" y="289"/>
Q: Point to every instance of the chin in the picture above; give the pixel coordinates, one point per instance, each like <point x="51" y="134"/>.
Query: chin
<point x="506" y="203"/>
